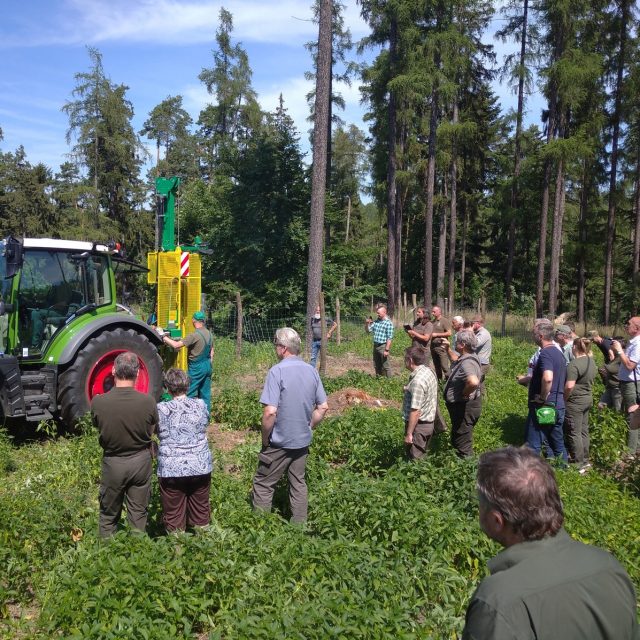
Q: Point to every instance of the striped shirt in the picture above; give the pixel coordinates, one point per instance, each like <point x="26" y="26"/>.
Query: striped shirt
<point x="382" y="330"/>
<point x="421" y="393"/>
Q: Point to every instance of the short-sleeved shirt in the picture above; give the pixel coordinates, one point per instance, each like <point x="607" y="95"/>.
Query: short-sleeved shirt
<point x="583" y="370"/>
<point x="423" y="330"/>
<point x="196" y="342"/>
<point x="126" y="419"/>
<point x="441" y="325"/>
<point x="382" y="330"/>
<point x="295" y="389"/>
<point x="316" y="327"/>
<point x="633" y="353"/>
<point x="483" y="347"/>
<point x="605" y="346"/>
<point x="550" y="359"/>
<point x="567" y="352"/>
<point x="465" y="366"/>
<point x="421" y="393"/>
<point x="184" y="449"/>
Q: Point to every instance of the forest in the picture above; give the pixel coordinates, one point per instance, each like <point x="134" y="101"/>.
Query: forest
<point x="446" y="194"/>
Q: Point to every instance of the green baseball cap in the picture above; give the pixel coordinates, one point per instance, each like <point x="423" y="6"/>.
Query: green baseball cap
<point x="199" y="316"/>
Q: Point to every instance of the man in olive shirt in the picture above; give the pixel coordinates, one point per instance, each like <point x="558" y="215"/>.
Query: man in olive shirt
<point x="544" y="585"/>
<point x="200" y="349"/>
<point x="126" y="419"/>
<point x="440" y="342"/>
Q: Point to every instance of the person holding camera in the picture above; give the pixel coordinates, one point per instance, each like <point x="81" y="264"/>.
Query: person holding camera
<point x="630" y="378"/>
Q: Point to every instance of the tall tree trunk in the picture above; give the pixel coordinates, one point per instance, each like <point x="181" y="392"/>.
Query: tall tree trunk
<point x="400" y="200"/>
<point x="319" y="169"/>
<point x="544" y="214"/>
<point x="428" y="214"/>
<point x="636" y="240"/>
<point x="451" y="268"/>
<point x="582" y="237"/>
<point x="391" y="176"/>
<point x="442" y="247"/>
<point x="556" y="241"/>
<point x="516" y="168"/>
<point x="615" y="117"/>
<point x="463" y="254"/>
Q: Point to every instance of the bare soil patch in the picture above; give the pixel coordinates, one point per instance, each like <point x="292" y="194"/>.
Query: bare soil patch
<point x="226" y="440"/>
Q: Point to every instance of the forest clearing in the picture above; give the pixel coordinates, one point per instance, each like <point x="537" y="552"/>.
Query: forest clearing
<point x="391" y="548"/>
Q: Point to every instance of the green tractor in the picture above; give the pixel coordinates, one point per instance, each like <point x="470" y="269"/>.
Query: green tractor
<point x="61" y="329"/>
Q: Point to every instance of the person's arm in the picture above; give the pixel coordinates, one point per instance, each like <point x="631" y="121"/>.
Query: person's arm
<point x="453" y="355"/>
<point x="471" y="383"/>
<point x="420" y="337"/>
<point x="524" y="380"/>
<point x="268" y="420"/>
<point x="545" y="385"/>
<point x="568" y="387"/>
<point x="387" y="346"/>
<point x="174" y="344"/>
<point x="318" y="414"/>
<point x="625" y="360"/>
<point x="334" y="324"/>
<point x="412" y="422"/>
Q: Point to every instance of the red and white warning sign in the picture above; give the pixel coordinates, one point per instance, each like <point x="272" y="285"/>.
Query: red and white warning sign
<point x="184" y="264"/>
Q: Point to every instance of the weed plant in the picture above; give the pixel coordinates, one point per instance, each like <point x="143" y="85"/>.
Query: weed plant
<point x="391" y="549"/>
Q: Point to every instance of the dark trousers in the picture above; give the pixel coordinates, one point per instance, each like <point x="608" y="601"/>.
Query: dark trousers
<point x="422" y="435"/>
<point x="441" y="363"/>
<point x="549" y="434"/>
<point x="576" y="428"/>
<point x="464" y="416"/>
<point x="272" y="463"/>
<point x="380" y="361"/>
<point x="125" y="479"/>
<point x="185" y="501"/>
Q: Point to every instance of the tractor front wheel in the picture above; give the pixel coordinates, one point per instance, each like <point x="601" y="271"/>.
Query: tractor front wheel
<point x="90" y="374"/>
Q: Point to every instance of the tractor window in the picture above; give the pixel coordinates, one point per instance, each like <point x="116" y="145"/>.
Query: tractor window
<point x="98" y="281"/>
<point x="51" y="290"/>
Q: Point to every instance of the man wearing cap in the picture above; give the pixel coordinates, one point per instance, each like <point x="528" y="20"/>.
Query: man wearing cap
<point x="564" y="339"/>
<point x="200" y="357"/>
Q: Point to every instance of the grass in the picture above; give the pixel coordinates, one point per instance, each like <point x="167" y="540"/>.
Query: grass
<point x="391" y="549"/>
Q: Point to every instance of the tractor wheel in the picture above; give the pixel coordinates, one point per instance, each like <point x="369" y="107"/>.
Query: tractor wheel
<point x="90" y="373"/>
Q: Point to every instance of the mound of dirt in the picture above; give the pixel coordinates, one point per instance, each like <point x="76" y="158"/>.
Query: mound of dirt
<point x="344" y="399"/>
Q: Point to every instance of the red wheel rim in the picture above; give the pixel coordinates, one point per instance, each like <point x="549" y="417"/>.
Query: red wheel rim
<point x="100" y="378"/>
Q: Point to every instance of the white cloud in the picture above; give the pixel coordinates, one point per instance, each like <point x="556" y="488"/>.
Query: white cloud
<point x="287" y="22"/>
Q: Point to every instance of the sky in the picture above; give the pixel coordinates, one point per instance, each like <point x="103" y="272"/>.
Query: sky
<point x="157" y="48"/>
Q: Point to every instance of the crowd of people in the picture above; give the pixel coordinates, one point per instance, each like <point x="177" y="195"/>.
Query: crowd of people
<point x="519" y="503"/>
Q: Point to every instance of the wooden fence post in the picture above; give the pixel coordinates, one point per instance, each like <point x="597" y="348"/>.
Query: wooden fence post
<point x="238" y="325"/>
<point x="338" y="334"/>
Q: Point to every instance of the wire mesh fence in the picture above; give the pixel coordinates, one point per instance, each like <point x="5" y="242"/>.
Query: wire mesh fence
<point x="262" y="327"/>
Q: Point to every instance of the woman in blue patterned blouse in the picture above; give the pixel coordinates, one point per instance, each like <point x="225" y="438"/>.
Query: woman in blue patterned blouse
<point x="184" y="457"/>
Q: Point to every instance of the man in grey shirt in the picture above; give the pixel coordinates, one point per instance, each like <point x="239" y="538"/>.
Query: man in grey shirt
<point x="294" y="404"/>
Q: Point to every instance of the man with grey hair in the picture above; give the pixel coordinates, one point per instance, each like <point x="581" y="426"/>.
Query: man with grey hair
<point x="126" y="419"/>
<point x="294" y="404"/>
<point x="457" y="323"/>
<point x="544" y="584"/>
<point x="462" y="392"/>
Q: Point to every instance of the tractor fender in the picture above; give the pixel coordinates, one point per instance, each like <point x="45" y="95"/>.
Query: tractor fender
<point x="101" y="323"/>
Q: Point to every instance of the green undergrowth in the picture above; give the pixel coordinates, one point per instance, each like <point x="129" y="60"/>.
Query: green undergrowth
<point x="391" y="549"/>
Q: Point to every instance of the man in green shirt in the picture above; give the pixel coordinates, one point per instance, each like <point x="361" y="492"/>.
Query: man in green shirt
<point x="544" y="585"/>
<point x="199" y="345"/>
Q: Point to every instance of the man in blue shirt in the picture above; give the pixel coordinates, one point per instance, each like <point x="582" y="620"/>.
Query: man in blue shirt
<point x="294" y="404"/>
<point x="547" y="388"/>
<point x="382" y="330"/>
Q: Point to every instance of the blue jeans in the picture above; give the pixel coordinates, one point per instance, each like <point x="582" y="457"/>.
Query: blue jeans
<point x="315" y="350"/>
<point x="550" y="434"/>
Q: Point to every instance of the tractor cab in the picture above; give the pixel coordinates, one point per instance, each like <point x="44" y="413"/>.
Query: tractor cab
<point x="45" y="285"/>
